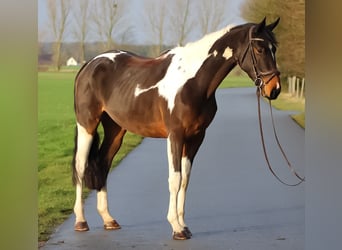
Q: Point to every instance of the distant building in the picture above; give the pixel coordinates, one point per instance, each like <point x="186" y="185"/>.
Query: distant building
<point x="71" y="62"/>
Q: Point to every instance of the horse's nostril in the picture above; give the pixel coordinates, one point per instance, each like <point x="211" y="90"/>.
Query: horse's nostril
<point x="274" y="93"/>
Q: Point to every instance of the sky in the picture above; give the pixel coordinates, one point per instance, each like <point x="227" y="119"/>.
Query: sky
<point x="234" y="17"/>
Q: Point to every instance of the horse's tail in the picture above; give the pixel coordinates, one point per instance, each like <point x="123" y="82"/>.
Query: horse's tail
<point x="95" y="176"/>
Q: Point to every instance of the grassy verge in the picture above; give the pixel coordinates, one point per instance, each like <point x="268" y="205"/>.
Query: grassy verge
<point x="234" y="81"/>
<point x="56" y="127"/>
<point x="283" y="102"/>
<point x="287" y="102"/>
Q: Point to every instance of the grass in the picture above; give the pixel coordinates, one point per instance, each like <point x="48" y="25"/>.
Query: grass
<point x="236" y="81"/>
<point x="56" y="127"/>
<point x="286" y="102"/>
<point x="283" y="102"/>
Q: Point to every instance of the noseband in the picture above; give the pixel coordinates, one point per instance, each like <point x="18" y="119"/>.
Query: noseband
<point x="258" y="81"/>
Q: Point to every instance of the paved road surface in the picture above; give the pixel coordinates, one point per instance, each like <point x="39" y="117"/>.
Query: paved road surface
<point x="233" y="200"/>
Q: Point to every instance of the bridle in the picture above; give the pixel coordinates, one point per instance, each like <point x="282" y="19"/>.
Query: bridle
<point x="259" y="82"/>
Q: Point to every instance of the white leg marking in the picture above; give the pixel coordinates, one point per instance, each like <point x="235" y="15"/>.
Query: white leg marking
<point x="174" y="184"/>
<point x="102" y="205"/>
<point x="186" y="169"/>
<point x="84" y="141"/>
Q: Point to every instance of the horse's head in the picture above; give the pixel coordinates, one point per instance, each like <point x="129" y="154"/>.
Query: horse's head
<point x="257" y="58"/>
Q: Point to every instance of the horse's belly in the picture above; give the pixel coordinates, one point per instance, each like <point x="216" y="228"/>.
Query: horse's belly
<point x="156" y="130"/>
<point x="141" y="124"/>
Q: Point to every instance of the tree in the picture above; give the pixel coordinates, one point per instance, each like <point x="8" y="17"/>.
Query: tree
<point x="211" y="15"/>
<point x="58" y="12"/>
<point x="107" y="15"/>
<point x="81" y="28"/>
<point x="156" y="16"/>
<point x="290" y="32"/>
<point x="180" y="21"/>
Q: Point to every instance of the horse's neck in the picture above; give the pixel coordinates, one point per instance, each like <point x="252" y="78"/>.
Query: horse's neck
<point x="221" y="72"/>
<point x="208" y="60"/>
<point x="217" y="65"/>
<point x="216" y="57"/>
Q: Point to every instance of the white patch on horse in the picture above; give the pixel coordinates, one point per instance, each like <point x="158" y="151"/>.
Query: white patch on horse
<point x="174" y="185"/>
<point x="84" y="140"/>
<point x="139" y="90"/>
<point x="188" y="58"/>
<point x="270" y="46"/>
<point x="102" y="205"/>
<point x="109" y="55"/>
<point x="186" y="169"/>
<point x="227" y="53"/>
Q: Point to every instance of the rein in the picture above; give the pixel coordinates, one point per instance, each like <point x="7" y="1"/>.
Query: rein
<point x="259" y="82"/>
<point x="301" y="179"/>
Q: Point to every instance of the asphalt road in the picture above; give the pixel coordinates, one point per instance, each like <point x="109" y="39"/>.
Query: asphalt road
<point x="233" y="200"/>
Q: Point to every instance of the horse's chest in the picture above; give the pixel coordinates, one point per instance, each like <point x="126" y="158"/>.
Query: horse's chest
<point x="195" y="118"/>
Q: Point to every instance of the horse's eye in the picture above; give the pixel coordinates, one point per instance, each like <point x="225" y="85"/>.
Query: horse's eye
<point x="259" y="50"/>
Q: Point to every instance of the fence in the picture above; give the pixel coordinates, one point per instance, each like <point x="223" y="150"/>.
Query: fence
<point x="296" y="87"/>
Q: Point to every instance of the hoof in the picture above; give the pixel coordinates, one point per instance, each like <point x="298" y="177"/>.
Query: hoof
<point x="181" y="236"/>
<point x="81" y="226"/>
<point x="187" y="232"/>
<point x="112" y="225"/>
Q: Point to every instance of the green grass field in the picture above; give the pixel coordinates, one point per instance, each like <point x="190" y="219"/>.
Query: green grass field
<point x="56" y="127"/>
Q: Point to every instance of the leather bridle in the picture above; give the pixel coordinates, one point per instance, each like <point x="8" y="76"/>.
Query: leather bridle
<point x="258" y="81"/>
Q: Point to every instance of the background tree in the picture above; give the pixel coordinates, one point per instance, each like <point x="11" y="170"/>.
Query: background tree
<point x="107" y="17"/>
<point x="290" y="32"/>
<point x="81" y="27"/>
<point x="156" y="16"/>
<point x="180" y="21"/>
<point x="212" y="15"/>
<point x="58" y="12"/>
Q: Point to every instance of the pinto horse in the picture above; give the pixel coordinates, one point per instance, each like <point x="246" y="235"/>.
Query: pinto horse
<point x="171" y="96"/>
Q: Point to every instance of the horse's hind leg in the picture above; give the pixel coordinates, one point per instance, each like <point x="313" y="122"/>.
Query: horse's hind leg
<point x="84" y="141"/>
<point x="113" y="135"/>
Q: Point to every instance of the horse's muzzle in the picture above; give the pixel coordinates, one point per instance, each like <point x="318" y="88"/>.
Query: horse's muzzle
<point x="271" y="89"/>
<point x="274" y="93"/>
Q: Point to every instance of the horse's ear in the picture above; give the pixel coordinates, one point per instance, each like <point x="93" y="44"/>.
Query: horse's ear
<point x="273" y="25"/>
<point x="260" y="26"/>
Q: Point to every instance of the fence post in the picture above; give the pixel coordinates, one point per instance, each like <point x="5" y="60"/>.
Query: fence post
<point x="302" y="89"/>
<point x="293" y="85"/>
<point x="297" y="88"/>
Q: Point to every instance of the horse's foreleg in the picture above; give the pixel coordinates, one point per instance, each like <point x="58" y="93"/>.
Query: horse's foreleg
<point x="190" y="149"/>
<point x="186" y="169"/>
<point x="174" y="151"/>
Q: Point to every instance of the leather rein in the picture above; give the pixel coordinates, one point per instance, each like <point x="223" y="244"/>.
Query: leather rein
<point x="259" y="83"/>
<point x="301" y="179"/>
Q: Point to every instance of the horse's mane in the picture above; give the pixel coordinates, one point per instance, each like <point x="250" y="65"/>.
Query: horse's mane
<point x="201" y="47"/>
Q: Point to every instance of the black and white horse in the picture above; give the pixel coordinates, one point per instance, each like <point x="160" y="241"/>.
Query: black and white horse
<point x="171" y="96"/>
